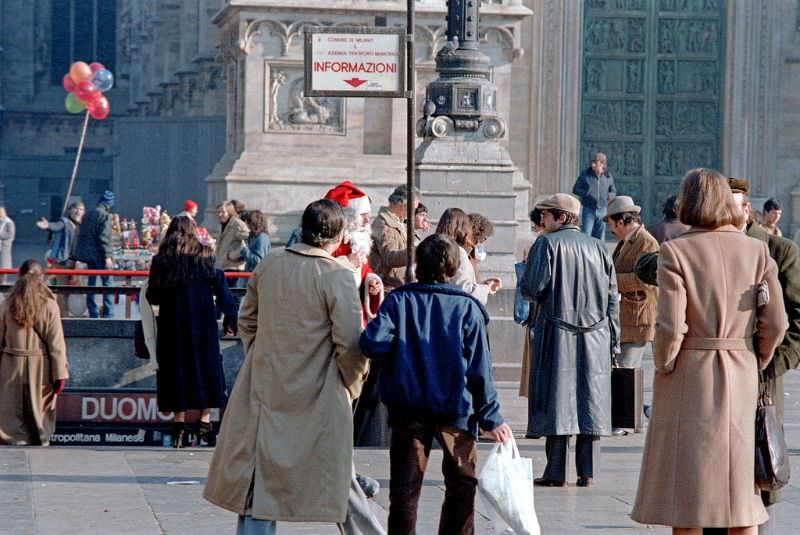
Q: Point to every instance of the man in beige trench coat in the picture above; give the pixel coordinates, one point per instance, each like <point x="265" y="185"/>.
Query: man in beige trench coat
<point x="286" y="443"/>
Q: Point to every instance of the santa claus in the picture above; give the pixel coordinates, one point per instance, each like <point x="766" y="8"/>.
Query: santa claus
<point x="357" y="243"/>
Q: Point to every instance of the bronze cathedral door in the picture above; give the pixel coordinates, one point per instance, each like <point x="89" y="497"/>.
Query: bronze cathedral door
<point x="652" y="92"/>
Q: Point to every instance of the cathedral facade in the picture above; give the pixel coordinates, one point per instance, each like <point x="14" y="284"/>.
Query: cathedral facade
<point x="209" y="102"/>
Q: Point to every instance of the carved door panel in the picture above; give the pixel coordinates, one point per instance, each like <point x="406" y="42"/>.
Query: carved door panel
<point x="652" y="92"/>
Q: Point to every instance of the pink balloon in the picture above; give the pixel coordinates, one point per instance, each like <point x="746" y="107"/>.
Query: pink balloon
<point x="85" y="91"/>
<point x="96" y="66"/>
<point x="68" y="84"/>
<point x="80" y="71"/>
<point x="99" y="108"/>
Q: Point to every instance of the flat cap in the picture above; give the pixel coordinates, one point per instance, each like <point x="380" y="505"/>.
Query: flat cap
<point x="561" y="201"/>
<point x="620" y="205"/>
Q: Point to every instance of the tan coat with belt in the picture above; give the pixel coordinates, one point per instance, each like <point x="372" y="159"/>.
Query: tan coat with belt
<point x="388" y="257"/>
<point x="637" y="307"/>
<point x="31" y="360"/>
<point x="698" y="463"/>
<point x="288" y="426"/>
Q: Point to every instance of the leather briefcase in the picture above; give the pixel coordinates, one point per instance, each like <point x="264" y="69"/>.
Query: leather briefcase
<point x="627" y="398"/>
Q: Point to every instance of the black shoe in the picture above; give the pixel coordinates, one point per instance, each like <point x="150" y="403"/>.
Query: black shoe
<point x="370" y="486"/>
<point x="618" y="432"/>
<point x="648" y="410"/>
<point x="544" y="482"/>
<point x="531" y="435"/>
<point x="206" y="436"/>
<point x="178" y="434"/>
<point x="585" y="481"/>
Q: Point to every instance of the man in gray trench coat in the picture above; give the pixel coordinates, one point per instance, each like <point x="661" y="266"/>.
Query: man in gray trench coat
<point x="571" y="278"/>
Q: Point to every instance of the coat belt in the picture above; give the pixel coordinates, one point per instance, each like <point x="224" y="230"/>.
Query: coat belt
<point x="577" y="329"/>
<point x="725" y="344"/>
<point x="15" y="352"/>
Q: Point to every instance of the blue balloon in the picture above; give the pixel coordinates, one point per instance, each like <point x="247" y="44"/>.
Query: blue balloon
<point x="103" y="80"/>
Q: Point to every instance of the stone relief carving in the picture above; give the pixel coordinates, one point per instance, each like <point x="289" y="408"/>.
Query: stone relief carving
<point x="290" y="110"/>
<point x="633" y="159"/>
<point x="694" y="6"/>
<point x="635" y="73"/>
<point x="666" y="77"/>
<point x="606" y="35"/>
<point x="636" y="37"/>
<point x="633" y="117"/>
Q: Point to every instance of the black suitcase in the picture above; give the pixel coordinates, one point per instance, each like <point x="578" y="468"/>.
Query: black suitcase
<point x="627" y="398"/>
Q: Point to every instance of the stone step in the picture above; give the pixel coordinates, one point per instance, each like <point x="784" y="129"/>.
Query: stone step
<point x="506" y="372"/>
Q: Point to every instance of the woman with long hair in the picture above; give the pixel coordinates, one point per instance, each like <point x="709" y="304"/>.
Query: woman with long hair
<point x="720" y="316"/>
<point x="257" y="245"/>
<point x="456" y="223"/>
<point x="183" y="283"/>
<point x="33" y="360"/>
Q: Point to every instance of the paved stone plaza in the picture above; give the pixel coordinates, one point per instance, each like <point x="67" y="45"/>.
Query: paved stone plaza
<point x="129" y="490"/>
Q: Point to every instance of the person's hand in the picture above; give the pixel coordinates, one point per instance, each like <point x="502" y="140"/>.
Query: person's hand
<point x="230" y="327"/>
<point x="58" y="385"/>
<point x="375" y="286"/>
<point x="494" y="284"/>
<point x="109" y="263"/>
<point x="42" y="224"/>
<point x="501" y="433"/>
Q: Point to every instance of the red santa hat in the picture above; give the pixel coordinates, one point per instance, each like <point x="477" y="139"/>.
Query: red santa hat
<point x="189" y="205"/>
<point x="349" y="196"/>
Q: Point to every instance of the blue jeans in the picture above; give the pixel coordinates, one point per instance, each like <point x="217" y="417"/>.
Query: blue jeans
<point x="108" y="299"/>
<point x="592" y="222"/>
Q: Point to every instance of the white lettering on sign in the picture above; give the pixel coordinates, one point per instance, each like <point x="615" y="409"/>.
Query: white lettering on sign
<point x="123" y="408"/>
<point x="351" y="62"/>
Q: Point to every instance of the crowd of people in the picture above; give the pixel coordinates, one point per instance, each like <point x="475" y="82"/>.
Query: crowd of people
<point x="342" y="350"/>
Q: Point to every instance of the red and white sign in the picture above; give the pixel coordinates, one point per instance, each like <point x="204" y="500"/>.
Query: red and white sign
<point x="354" y="64"/>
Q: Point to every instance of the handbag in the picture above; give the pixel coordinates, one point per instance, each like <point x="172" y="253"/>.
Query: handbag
<point x="627" y="398"/>
<point x="521" y="305"/>
<point x="772" y="459"/>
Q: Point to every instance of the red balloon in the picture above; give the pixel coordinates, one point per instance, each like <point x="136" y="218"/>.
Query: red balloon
<point x="99" y="108"/>
<point x="80" y="71"/>
<point x="85" y="91"/>
<point x="96" y="66"/>
<point x="68" y="84"/>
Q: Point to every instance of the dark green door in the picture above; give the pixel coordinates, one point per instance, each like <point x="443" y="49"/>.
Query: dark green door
<point x="652" y="92"/>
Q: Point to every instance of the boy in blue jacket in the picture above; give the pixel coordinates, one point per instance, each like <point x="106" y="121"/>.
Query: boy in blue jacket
<point x="436" y="381"/>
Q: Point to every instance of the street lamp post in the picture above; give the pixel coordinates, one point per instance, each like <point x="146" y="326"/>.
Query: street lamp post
<point x="462" y="100"/>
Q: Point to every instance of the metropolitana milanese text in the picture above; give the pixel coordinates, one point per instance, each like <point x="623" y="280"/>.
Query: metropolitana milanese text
<point x="355" y="66"/>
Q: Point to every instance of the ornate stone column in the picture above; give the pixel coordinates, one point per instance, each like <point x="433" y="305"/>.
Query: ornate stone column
<point x="461" y="162"/>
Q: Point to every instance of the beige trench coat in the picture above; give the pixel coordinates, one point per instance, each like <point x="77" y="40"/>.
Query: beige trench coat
<point x="30" y="361"/>
<point x="288" y="426"/>
<point x="697" y="468"/>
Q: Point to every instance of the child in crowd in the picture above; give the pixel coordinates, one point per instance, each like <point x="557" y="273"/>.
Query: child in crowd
<point x="436" y="382"/>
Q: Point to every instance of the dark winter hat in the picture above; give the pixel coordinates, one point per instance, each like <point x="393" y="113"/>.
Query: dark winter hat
<point x="107" y="198"/>
<point x="739" y="185"/>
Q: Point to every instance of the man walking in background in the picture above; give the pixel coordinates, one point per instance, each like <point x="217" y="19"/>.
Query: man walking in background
<point x="595" y="188"/>
<point x="94" y="248"/>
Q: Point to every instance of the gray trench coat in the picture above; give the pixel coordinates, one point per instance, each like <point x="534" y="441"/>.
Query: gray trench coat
<point x="571" y="278"/>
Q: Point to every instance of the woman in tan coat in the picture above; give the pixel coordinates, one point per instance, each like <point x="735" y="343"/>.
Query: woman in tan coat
<point x="33" y="360"/>
<point x="720" y="316"/>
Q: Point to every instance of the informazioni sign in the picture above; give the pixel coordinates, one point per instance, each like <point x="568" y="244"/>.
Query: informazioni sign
<point x="355" y="62"/>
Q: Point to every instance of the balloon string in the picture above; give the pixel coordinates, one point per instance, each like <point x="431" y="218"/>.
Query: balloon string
<point x="77" y="161"/>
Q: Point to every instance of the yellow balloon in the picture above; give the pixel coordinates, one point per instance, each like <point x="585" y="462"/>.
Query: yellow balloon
<point x="80" y="71"/>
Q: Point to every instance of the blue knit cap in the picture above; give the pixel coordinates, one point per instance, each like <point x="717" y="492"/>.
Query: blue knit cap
<point x="107" y="198"/>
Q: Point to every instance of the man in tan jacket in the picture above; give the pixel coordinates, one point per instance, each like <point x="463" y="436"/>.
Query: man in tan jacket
<point x="637" y="307"/>
<point x="637" y="310"/>
<point x="388" y="257"/>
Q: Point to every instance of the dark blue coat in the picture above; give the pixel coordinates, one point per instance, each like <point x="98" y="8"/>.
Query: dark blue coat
<point x="436" y="365"/>
<point x="594" y="191"/>
<point x="190" y="374"/>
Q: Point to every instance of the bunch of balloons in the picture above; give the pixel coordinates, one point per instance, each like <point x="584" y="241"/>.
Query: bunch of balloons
<point x="86" y="84"/>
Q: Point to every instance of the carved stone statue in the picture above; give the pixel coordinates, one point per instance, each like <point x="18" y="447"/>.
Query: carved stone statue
<point x="306" y="110"/>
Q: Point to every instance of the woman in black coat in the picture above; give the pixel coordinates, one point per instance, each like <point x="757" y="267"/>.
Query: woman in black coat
<point x="183" y="283"/>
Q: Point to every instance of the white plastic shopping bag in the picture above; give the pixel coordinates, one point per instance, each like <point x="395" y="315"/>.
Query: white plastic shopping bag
<point x="506" y="484"/>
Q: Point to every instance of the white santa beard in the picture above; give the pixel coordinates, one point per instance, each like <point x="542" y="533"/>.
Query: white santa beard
<point x="360" y="240"/>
